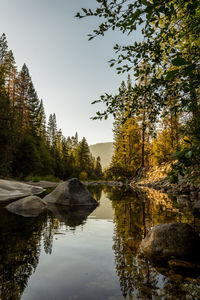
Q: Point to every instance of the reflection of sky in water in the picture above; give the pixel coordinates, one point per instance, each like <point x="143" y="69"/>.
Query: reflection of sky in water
<point x="91" y="257"/>
<point x="81" y="266"/>
<point x="105" y="210"/>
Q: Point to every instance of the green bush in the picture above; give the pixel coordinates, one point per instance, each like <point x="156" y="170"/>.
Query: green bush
<point x="39" y="178"/>
<point x="83" y="176"/>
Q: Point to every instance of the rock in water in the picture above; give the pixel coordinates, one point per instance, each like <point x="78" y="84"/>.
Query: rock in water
<point x="13" y="189"/>
<point x="170" y="240"/>
<point x="30" y="206"/>
<point x="71" y="192"/>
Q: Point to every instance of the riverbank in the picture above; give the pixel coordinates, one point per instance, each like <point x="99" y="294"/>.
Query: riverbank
<point x="46" y="184"/>
<point x="156" y="178"/>
<point x="43" y="183"/>
<point x="108" y="183"/>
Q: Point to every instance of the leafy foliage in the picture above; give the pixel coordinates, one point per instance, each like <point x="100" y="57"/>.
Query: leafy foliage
<point x="166" y="68"/>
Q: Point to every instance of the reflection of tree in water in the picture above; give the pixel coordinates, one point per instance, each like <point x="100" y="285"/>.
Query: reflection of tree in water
<point x="96" y="191"/>
<point x="19" y="251"/>
<point x="134" y="215"/>
<point x="129" y="227"/>
<point x="21" y="241"/>
<point x="51" y="226"/>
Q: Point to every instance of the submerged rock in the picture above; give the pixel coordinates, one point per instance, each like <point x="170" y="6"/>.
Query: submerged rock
<point x="71" y="192"/>
<point x="30" y="206"/>
<point x="175" y="240"/>
<point x="14" y="189"/>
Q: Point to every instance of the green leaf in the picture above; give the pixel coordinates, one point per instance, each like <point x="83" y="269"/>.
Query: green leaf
<point x="179" y="61"/>
<point x="171" y="74"/>
<point x="85" y="10"/>
<point x="188" y="70"/>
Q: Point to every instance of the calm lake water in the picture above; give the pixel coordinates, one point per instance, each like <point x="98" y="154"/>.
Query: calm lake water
<point x="95" y="255"/>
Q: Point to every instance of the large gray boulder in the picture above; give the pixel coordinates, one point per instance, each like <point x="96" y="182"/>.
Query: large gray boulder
<point x="175" y="240"/>
<point x="71" y="192"/>
<point x="30" y="206"/>
<point x="15" y="190"/>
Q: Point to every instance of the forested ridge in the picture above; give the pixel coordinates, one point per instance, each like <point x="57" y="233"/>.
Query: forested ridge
<point x="29" y="145"/>
<point x="157" y="111"/>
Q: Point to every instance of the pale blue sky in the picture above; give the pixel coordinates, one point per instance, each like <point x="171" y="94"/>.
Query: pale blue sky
<point x="68" y="71"/>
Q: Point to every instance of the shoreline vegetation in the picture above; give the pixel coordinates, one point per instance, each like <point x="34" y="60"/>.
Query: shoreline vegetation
<point x="157" y="110"/>
<point x="32" y="146"/>
<point x="158" y="179"/>
<point x="156" y="139"/>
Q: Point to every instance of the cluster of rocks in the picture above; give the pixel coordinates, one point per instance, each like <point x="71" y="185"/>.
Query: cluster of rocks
<point x="151" y="175"/>
<point x="71" y="193"/>
<point x="174" y="189"/>
<point x="108" y="183"/>
<point x="10" y="189"/>
<point x="175" y="245"/>
<point x="187" y="194"/>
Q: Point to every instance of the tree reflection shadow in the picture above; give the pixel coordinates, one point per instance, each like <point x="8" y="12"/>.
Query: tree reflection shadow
<point x="96" y="191"/>
<point x="135" y="213"/>
<point x="19" y="252"/>
<point x="71" y="216"/>
<point x="21" y="241"/>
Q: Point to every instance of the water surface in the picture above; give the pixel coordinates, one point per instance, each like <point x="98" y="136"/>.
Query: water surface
<point x="85" y="254"/>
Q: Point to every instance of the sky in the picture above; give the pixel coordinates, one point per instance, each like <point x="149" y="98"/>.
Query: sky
<point x="67" y="70"/>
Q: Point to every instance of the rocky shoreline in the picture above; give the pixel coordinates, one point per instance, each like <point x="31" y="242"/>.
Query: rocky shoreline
<point x="163" y="186"/>
<point x="156" y="178"/>
<point x="108" y="183"/>
<point x="160" y="243"/>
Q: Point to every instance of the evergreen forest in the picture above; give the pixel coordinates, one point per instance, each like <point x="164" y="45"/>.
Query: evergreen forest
<point x="32" y="147"/>
<point x="157" y="111"/>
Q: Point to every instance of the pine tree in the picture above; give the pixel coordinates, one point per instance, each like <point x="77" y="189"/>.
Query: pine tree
<point x="3" y="49"/>
<point x="5" y="133"/>
<point x="84" y="160"/>
<point x="98" y="168"/>
<point x="41" y="122"/>
<point x="22" y="89"/>
<point x="127" y="148"/>
<point x="33" y="107"/>
<point x="52" y="131"/>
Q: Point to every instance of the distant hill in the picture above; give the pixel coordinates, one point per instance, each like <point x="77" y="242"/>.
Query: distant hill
<point x="105" y="151"/>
